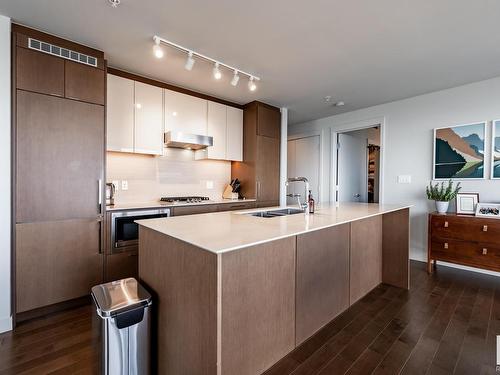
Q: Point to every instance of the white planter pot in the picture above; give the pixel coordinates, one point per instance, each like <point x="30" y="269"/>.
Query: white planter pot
<point x="442" y="207"/>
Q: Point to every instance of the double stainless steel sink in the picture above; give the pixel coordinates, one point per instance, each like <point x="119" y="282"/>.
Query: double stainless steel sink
<point x="277" y="212"/>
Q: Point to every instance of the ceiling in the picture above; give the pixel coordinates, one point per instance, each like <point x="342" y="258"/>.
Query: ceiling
<point x="361" y="52"/>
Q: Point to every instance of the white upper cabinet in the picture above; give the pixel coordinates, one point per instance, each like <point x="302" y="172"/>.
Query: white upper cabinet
<point x="185" y="113"/>
<point x="216" y="128"/>
<point x="234" y="134"/>
<point x="120" y="114"/>
<point x="225" y="125"/>
<point x="148" y="119"/>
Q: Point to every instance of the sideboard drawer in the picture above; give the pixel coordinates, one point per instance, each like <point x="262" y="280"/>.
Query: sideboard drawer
<point x="470" y="253"/>
<point x="465" y="228"/>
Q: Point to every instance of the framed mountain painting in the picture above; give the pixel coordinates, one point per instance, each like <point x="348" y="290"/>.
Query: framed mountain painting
<point x="495" y="150"/>
<point x="459" y="152"/>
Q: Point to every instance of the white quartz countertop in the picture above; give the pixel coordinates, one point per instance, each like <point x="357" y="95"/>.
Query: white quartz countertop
<point x="226" y="231"/>
<point x="159" y="204"/>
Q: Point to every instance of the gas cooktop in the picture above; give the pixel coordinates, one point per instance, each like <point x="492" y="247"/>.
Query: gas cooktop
<point x="188" y="199"/>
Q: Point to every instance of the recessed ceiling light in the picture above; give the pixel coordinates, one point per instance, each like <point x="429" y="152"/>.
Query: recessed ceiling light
<point x="328" y="99"/>
<point x="114" y="3"/>
<point x="339" y="104"/>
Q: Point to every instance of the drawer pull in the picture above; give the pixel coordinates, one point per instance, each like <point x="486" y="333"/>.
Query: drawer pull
<point x="446" y="224"/>
<point x="485" y="251"/>
<point x="485" y="228"/>
<point x="446" y="245"/>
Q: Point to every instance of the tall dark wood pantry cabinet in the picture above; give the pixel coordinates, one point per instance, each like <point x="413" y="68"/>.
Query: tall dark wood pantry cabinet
<point x="59" y="143"/>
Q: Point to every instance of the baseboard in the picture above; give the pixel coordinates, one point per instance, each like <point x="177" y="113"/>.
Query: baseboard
<point x="5" y="324"/>
<point x="51" y="309"/>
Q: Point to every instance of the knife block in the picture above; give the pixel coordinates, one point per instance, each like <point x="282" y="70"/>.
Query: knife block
<point x="228" y="193"/>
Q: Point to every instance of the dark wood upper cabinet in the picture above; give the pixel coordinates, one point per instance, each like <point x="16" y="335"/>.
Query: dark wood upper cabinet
<point x="259" y="171"/>
<point x="268" y="121"/>
<point x="84" y="83"/>
<point x="39" y="72"/>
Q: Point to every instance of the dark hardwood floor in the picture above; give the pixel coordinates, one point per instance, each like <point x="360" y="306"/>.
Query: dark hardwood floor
<point x="447" y="323"/>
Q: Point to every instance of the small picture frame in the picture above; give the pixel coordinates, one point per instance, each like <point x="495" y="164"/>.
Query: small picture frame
<point x="491" y="210"/>
<point x="467" y="203"/>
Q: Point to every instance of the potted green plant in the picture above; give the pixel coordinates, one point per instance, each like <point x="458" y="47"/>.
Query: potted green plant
<point x="442" y="194"/>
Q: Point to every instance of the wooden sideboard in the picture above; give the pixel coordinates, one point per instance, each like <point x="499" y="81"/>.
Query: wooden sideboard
<point x="466" y="240"/>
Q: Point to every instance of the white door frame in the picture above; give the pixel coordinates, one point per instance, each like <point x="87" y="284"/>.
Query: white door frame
<point x="347" y="127"/>
<point x="317" y="133"/>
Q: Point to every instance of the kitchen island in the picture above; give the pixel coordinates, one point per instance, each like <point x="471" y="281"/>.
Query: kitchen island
<point x="235" y="293"/>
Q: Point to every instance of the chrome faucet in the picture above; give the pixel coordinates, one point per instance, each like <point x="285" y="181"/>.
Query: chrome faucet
<point x="303" y="206"/>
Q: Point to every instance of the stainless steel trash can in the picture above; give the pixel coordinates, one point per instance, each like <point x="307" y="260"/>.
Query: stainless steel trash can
<point x="124" y="307"/>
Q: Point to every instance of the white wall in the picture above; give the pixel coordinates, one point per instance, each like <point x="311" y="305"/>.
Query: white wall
<point x="5" y="189"/>
<point x="407" y="139"/>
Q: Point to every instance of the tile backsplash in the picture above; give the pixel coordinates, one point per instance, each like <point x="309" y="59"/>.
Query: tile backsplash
<point x="175" y="173"/>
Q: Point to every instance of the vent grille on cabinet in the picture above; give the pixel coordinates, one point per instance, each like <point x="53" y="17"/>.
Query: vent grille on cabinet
<point x="62" y="52"/>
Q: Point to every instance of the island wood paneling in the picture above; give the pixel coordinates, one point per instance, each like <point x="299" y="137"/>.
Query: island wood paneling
<point x="258" y="306"/>
<point x="322" y="278"/>
<point x="184" y="281"/>
<point x="366" y="256"/>
<point x="396" y="246"/>
<point x="56" y="261"/>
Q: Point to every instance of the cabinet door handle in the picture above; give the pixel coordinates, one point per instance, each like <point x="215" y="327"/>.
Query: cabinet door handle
<point x="446" y="224"/>
<point x="99" y="194"/>
<point x="446" y="245"/>
<point x="485" y="228"/>
<point x="485" y="251"/>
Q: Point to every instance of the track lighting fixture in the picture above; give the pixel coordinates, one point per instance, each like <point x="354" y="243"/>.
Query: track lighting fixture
<point x="235" y="79"/>
<point x="115" y="3"/>
<point x="251" y="84"/>
<point x="157" y="50"/>
<point x="216" y="71"/>
<point x="189" y="61"/>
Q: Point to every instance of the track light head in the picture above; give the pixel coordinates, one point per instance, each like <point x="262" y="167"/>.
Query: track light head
<point x="157" y="50"/>
<point x="235" y="79"/>
<point x="217" y="72"/>
<point x="251" y="84"/>
<point x="190" y="61"/>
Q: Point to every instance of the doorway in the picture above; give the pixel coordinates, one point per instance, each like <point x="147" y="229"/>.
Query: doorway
<point x="303" y="161"/>
<point x="358" y="165"/>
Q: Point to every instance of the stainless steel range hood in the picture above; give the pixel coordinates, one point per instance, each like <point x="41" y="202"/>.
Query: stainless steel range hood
<point x="187" y="141"/>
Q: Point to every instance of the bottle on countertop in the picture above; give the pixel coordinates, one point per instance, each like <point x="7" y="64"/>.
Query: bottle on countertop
<point x="311" y="202"/>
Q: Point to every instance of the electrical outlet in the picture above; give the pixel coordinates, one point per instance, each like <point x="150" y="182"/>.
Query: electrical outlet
<point x="116" y="183"/>
<point x="210" y="184"/>
<point x="124" y="185"/>
<point x="404" y="179"/>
